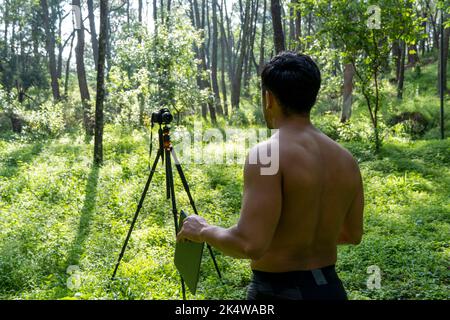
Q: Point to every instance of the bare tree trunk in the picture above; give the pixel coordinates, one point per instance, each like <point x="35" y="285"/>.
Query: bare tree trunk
<point x="140" y="8"/>
<point x="223" y="47"/>
<point x="203" y="83"/>
<point x="263" y="33"/>
<point x="215" y="84"/>
<point x="236" y="84"/>
<point x="445" y="61"/>
<point x="349" y="72"/>
<point x="446" y="47"/>
<point x="278" y="35"/>
<point x="250" y="55"/>
<point x="50" y="42"/>
<point x="308" y="31"/>
<point x="82" y="82"/>
<point x="98" y="138"/>
<point x="224" y="86"/>
<point x="6" y="21"/>
<point x="402" y="70"/>
<point x="60" y="46"/>
<point x="230" y="44"/>
<point x="291" y="26"/>
<point x="66" y="80"/>
<point x="140" y="95"/>
<point x="128" y="12"/>
<point x="397" y="57"/>
<point x="298" y="25"/>
<point x="94" y="40"/>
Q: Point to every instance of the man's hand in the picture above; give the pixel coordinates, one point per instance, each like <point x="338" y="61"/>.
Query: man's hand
<point x="192" y="228"/>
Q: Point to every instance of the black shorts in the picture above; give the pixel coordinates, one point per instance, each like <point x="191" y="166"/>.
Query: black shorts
<point x="317" y="284"/>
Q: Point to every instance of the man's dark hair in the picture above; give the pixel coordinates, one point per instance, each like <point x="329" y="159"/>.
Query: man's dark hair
<point x="294" y="79"/>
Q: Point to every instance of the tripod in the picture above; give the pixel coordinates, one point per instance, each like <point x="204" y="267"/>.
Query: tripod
<point x="165" y="152"/>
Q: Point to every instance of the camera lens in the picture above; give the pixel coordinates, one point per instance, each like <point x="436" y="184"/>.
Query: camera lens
<point x="167" y="117"/>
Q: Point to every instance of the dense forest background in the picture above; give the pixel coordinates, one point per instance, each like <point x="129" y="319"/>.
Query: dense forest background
<point x="204" y="56"/>
<point x="80" y="79"/>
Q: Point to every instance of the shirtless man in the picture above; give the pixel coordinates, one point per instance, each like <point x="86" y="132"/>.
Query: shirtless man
<point x="291" y="222"/>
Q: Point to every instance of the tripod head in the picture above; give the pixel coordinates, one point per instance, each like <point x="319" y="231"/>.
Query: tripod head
<point x="162" y="116"/>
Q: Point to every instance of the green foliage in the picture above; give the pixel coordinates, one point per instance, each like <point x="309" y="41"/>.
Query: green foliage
<point x="348" y="26"/>
<point x="57" y="210"/>
<point x="154" y="70"/>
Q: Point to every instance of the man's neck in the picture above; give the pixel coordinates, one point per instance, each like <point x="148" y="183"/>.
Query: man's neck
<point x="297" y="122"/>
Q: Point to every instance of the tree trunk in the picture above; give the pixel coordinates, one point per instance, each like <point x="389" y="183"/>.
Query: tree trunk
<point x="236" y="84"/>
<point x="50" y="43"/>
<point x="81" y="73"/>
<point x="413" y="56"/>
<point x="224" y="87"/>
<point x="278" y="36"/>
<point x="128" y="12"/>
<point x="223" y="47"/>
<point x="263" y="32"/>
<point x="94" y="40"/>
<point x="140" y="8"/>
<point x="401" y="76"/>
<point x="201" y="55"/>
<point x="215" y="84"/>
<point x="6" y="21"/>
<point x="445" y="61"/>
<point x="250" y="55"/>
<point x="291" y="26"/>
<point x="98" y="139"/>
<point x="298" y="25"/>
<point x="66" y="79"/>
<point x="349" y="72"/>
<point x="397" y="57"/>
<point x="60" y="46"/>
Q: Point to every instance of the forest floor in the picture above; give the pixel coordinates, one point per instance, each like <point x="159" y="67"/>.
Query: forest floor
<point x="63" y="222"/>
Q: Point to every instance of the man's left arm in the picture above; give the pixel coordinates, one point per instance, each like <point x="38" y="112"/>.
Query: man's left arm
<point x="261" y="209"/>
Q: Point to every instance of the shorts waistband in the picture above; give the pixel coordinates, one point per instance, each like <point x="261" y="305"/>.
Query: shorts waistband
<point x="320" y="276"/>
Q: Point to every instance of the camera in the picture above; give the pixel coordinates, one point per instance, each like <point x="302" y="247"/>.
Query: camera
<point x="162" y="116"/>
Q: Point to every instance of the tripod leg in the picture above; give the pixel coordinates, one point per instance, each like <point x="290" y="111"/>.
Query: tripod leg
<point x="171" y="191"/>
<point x="183" y="288"/>
<point x="191" y="201"/>
<point x="141" y="201"/>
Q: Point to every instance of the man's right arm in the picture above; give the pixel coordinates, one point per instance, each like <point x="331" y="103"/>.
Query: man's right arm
<point x="352" y="229"/>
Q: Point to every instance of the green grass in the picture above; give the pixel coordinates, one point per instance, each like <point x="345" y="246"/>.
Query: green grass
<point x="57" y="210"/>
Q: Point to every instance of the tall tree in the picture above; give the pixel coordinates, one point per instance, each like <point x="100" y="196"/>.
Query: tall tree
<point x="401" y="74"/>
<point x="349" y="72"/>
<point x="202" y="82"/>
<point x="94" y="40"/>
<point x="81" y="74"/>
<point x="278" y="35"/>
<point x="50" y="45"/>
<point x="444" y="38"/>
<point x="223" y="56"/>
<point x="236" y="84"/>
<point x="214" y="82"/>
<point x="98" y="138"/>
<point x="263" y="33"/>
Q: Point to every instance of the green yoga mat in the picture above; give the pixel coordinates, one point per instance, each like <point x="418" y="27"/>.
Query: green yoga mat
<point x="188" y="257"/>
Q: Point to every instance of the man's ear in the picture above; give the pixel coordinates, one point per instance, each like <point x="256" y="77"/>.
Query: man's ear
<point x="269" y="100"/>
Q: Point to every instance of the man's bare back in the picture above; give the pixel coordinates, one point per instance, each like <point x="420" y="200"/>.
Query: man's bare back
<point x="320" y="180"/>
<point x="293" y="218"/>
